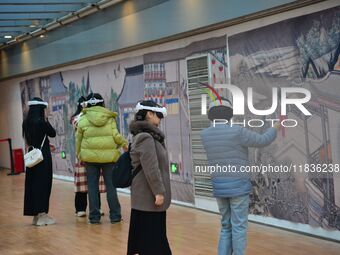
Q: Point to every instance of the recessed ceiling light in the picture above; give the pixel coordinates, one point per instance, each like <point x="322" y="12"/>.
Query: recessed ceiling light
<point x="42" y="36"/>
<point x="8" y="36"/>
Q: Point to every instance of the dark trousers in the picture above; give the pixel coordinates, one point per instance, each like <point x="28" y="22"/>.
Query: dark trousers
<point x="93" y="173"/>
<point x="80" y="201"/>
<point x="147" y="233"/>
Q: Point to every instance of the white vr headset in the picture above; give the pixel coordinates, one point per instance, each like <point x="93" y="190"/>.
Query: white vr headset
<point x="35" y="102"/>
<point x="161" y="110"/>
<point x="92" y="101"/>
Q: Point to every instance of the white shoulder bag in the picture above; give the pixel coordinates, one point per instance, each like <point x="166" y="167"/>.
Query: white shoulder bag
<point x="34" y="156"/>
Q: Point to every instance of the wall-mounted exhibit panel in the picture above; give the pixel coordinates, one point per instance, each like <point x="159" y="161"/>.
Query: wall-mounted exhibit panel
<point x="295" y="50"/>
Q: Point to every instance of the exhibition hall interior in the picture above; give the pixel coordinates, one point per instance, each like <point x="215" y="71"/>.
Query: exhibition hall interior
<point x="159" y="127"/>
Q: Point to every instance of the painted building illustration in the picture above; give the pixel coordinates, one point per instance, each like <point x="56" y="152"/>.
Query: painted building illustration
<point x="132" y="92"/>
<point x="307" y="57"/>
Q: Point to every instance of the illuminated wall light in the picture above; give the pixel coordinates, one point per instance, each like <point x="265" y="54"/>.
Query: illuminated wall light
<point x="4" y="66"/>
<point x="128" y="8"/>
<point x="25" y="57"/>
<point x="24" y="46"/>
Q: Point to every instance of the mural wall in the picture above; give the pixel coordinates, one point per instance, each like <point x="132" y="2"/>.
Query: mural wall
<point x="299" y="52"/>
<point x="121" y="84"/>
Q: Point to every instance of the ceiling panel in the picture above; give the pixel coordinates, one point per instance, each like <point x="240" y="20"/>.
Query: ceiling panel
<point x="19" y="17"/>
<point x="43" y="2"/>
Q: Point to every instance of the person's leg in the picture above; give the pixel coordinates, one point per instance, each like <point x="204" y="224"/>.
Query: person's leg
<point x="43" y="185"/>
<point x="100" y="204"/>
<point x="224" y="244"/>
<point x="111" y="193"/>
<point x="83" y="201"/>
<point x="93" y="171"/>
<point x="166" y="249"/>
<point x="80" y="202"/>
<point x="102" y="189"/>
<point x="49" y="178"/>
<point x="77" y="201"/>
<point x="134" y="228"/>
<point x="239" y="222"/>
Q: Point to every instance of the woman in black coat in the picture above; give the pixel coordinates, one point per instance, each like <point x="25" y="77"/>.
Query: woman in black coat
<point x="38" y="181"/>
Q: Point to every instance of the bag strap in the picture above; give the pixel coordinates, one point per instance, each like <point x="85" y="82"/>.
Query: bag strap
<point x="43" y="142"/>
<point x="40" y="145"/>
<point x="136" y="171"/>
<point x="28" y="148"/>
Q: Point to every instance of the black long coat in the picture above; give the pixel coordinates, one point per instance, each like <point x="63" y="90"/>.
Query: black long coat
<point x="38" y="181"/>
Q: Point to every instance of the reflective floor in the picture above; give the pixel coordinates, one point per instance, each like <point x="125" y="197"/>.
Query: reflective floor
<point x="190" y="231"/>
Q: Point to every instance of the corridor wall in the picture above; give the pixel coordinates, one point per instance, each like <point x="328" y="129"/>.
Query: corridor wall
<point x="249" y="53"/>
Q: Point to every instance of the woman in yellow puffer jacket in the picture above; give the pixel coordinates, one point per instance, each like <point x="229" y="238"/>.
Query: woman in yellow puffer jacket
<point x="97" y="145"/>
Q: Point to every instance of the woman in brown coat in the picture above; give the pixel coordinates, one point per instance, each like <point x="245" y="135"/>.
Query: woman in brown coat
<point x="150" y="189"/>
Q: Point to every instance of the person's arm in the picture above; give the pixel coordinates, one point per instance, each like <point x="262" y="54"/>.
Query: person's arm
<point x="145" y="147"/>
<point x="48" y="129"/>
<point x="250" y="138"/>
<point x="79" y="138"/>
<point x="118" y="138"/>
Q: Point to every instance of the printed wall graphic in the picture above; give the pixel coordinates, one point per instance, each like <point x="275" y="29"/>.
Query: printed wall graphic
<point x="300" y="52"/>
<point x="162" y="85"/>
<point x="167" y="82"/>
<point x="62" y="90"/>
<point x="121" y="84"/>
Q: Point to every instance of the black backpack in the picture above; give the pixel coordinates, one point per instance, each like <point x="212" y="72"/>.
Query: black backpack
<point x="123" y="172"/>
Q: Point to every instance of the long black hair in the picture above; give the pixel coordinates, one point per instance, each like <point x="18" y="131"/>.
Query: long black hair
<point x="141" y="114"/>
<point x="35" y="116"/>
<point x="79" y="107"/>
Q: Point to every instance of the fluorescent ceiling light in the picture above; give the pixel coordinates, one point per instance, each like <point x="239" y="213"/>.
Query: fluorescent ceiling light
<point x="8" y="36"/>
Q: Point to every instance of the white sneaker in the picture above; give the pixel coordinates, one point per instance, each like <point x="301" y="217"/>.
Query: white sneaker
<point x="35" y="219"/>
<point x="44" y="219"/>
<point x="81" y="214"/>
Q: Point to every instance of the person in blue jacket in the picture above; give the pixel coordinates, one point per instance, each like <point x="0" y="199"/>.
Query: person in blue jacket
<point x="228" y="145"/>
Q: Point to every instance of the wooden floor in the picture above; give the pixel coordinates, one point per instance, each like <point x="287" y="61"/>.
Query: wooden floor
<point x="190" y="231"/>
